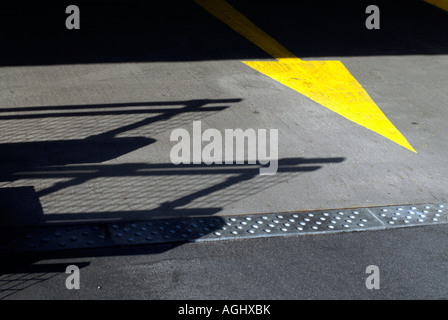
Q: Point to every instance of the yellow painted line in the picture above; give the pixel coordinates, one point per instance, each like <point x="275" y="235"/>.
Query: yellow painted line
<point x="442" y="4"/>
<point x="235" y="20"/>
<point x="328" y="83"/>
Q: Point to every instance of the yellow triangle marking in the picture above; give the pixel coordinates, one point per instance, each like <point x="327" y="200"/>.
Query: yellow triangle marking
<point x="328" y="83"/>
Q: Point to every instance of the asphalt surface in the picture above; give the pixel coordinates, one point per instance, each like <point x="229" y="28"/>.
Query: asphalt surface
<point x="412" y="264"/>
<point x="86" y="117"/>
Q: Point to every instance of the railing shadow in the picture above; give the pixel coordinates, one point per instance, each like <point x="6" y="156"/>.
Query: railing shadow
<point x="19" y="271"/>
<point x="98" y="128"/>
<point x="19" y="276"/>
<point x="48" y="184"/>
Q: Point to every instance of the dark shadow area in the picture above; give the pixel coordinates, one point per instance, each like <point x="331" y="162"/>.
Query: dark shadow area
<point x="142" y="31"/>
<point x="25" y="156"/>
<point x="20" y="207"/>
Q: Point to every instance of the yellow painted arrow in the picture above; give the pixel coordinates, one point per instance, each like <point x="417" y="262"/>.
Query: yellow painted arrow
<point x="328" y="83"/>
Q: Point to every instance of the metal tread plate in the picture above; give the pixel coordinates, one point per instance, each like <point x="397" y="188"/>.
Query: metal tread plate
<point x="197" y="229"/>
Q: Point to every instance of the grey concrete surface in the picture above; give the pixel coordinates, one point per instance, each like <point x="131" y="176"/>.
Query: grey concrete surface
<point x="86" y="118"/>
<point x="78" y="117"/>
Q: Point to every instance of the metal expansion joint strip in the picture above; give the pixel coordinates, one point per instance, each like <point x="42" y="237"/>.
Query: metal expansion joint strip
<point x="196" y="229"/>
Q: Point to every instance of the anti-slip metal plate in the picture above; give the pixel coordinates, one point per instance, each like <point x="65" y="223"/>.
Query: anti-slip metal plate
<point x="411" y="215"/>
<point x="294" y="223"/>
<point x="198" y="229"/>
<point x="53" y="238"/>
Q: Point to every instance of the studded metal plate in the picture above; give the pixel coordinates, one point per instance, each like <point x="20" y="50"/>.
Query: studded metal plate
<point x="294" y="223"/>
<point x="196" y="229"/>
<point x="53" y="238"/>
<point x="411" y="215"/>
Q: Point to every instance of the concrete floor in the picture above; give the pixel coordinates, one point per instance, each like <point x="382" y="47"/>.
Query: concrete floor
<point x="85" y="120"/>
